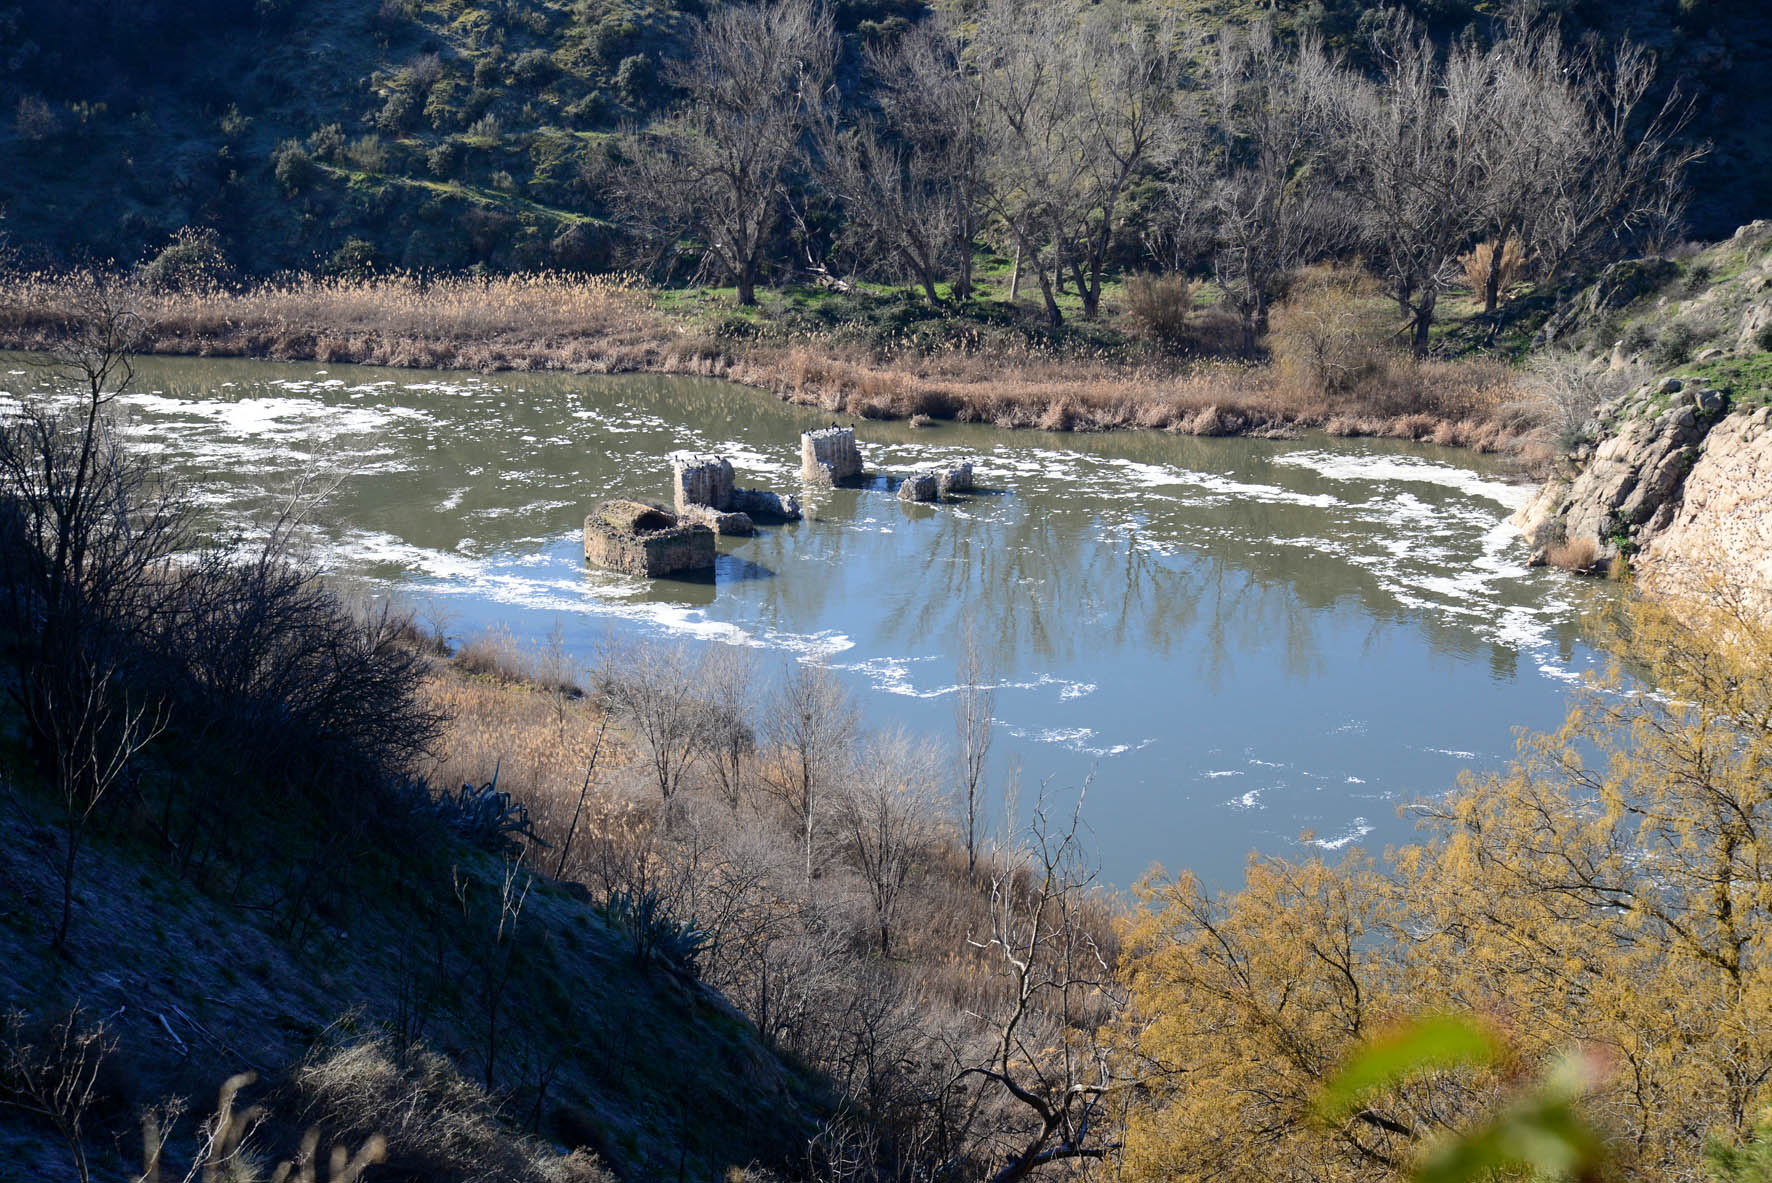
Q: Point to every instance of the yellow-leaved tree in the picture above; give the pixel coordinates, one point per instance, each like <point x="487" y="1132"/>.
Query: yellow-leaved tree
<point x="1610" y="892"/>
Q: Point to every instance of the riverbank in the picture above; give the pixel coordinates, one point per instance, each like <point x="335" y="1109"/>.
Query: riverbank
<point x="605" y="325"/>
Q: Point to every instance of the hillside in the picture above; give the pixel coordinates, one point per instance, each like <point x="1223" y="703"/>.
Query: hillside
<point x="1668" y="368"/>
<point x="441" y="133"/>
<point x="483" y="1017"/>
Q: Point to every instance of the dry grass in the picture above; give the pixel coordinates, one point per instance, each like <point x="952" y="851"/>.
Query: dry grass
<point x="1578" y="555"/>
<point x="509" y="322"/>
<point x="1329" y="371"/>
<point x="438" y="1125"/>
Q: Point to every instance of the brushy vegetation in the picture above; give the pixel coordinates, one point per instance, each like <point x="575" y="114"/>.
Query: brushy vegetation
<point x="1605" y="895"/>
<point x="1338" y="367"/>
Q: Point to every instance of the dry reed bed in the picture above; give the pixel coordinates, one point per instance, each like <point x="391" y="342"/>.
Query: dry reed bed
<point x="540" y="738"/>
<point x="611" y="325"/>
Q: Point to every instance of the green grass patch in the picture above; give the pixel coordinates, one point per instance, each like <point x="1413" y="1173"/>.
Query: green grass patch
<point x="1746" y="380"/>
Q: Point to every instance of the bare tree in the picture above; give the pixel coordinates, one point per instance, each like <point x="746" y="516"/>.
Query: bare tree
<point x="1620" y="175"/>
<point x="86" y="543"/>
<point x="888" y="813"/>
<point x="1246" y="178"/>
<point x="975" y="703"/>
<point x="728" y="732"/>
<point x="910" y="181"/>
<point x="809" y="730"/>
<point x="1411" y="145"/>
<point x="1131" y="67"/>
<point x="1038" y="165"/>
<point x="50" y="1070"/>
<point x="1046" y="915"/>
<point x="655" y="690"/>
<point x="716" y="168"/>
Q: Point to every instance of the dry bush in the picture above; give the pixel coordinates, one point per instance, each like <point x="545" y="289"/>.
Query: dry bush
<point x="1564" y="389"/>
<point x="1329" y="335"/>
<point x="1162" y="306"/>
<point x="49" y="1070"/>
<point x="1578" y="555"/>
<point x="495" y="653"/>
<point x="798" y="953"/>
<point x="1476" y="264"/>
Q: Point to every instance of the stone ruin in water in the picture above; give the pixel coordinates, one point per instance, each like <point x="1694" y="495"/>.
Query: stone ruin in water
<point x="829" y="455"/>
<point x="647" y="540"/>
<point x="930" y="484"/>
<point x="705" y="494"/>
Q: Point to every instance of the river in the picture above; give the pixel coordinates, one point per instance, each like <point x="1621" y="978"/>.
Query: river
<point x="1237" y="644"/>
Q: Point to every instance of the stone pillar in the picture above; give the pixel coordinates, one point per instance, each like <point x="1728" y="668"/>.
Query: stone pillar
<point x="829" y="455"/>
<point x="919" y="486"/>
<point x="701" y="480"/>
<point x="955" y="478"/>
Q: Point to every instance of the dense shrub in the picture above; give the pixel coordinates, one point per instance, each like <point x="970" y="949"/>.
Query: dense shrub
<point x="1328" y="336"/>
<point x="636" y="78"/>
<point x="294" y="168"/>
<point x="328" y="142"/>
<point x="1160" y="305"/>
<point x="1674" y="344"/>
<point x="368" y="154"/>
<point x="532" y="68"/>
<point x="356" y="258"/>
<point x="444" y="160"/>
<point x="192" y="262"/>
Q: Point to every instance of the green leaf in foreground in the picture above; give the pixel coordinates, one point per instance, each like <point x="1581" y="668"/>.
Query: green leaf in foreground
<point x="1425" y="1044"/>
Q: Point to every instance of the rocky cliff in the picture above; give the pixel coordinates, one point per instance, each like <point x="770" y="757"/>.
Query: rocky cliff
<point x="1720" y="534"/>
<point x="1673" y="479"/>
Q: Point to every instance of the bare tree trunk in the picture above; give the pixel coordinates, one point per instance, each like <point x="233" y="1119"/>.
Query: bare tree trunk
<point x="1015" y="275"/>
<point x="1054" y="317"/>
<point x="1423" y="319"/>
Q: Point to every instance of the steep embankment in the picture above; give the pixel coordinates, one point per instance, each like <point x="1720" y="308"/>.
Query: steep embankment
<point x="1675" y="476"/>
<point x="490" y="1022"/>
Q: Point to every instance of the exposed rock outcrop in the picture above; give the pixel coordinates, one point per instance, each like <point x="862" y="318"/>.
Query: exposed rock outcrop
<point x="1626" y="488"/>
<point x="1720" y="535"/>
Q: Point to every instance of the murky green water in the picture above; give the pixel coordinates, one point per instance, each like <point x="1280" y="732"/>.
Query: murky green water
<point x="1241" y="640"/>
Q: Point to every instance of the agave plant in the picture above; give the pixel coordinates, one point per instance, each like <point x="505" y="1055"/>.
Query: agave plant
<point x="656" y="935"/>
<point x="480" y="813"/>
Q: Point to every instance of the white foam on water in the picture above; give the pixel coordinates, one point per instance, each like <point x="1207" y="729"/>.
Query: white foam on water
<point x="1356" y="830"/>
<point x="1380" y="468"/>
